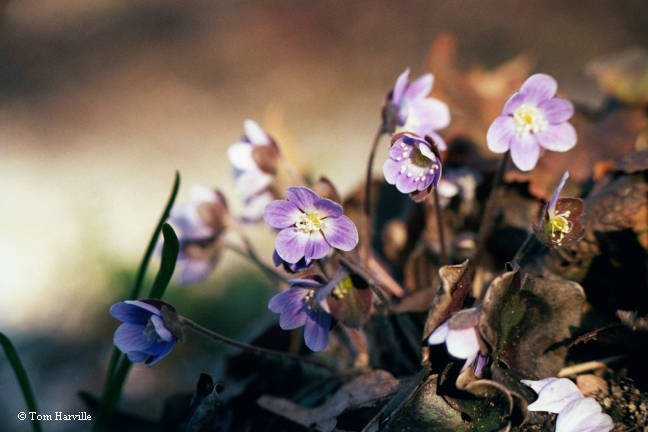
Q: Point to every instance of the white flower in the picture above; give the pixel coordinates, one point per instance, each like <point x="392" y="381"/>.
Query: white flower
<point x="553" y="394"/>
<point x="583" y="415"/>
<point x="460" y="335"/>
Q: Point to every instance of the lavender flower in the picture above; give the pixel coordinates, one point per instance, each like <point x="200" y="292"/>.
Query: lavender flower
<point x="298" y="306"/>
<point x="460" y="335"/>
<point x="583" y="415"/>
<point x="413" y="165"/>
<point x="200" y="223"/>
<point x="553" y="394"/>
<point x="560" y="224"/>
<point x="143" y="336"/>
<point x="533" y="118"/>
<point x="254" y="160"/>
<point x="417" y="113"/>
<point x="309" y="226"/>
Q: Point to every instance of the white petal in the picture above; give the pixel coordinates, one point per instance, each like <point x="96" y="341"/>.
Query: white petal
<point x="255" y="134"/>
<point x="439" y="335"/>
<point x="555" y="396"/>
<point x="240" y="156"/>
<point x="463" y="343"/>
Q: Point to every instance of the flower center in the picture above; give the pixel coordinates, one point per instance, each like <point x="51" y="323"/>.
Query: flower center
<point x="419" y="158"/>
<point x="560" y="224"/>
<point x="150" y="333"/>
<point x="343" y="288"/>
<point x="529" y="119"/>
<point x="311" y="301"/>
<point x="310" y="221"/>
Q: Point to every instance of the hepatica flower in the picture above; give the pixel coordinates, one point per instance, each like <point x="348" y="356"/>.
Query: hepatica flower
<point x="254" y="159"/>
<point x="415" y="112"/>
<point x="309" y="226"/>
<point x="143" y="336"/>
<point x="298" y="306"/>
<point x="460" y="335"/>
<point x="413" y="165"/>
<point x="533" y="119"/>
<point x="560" y="224"/>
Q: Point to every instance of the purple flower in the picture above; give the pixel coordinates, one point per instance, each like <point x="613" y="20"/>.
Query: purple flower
<point x="460" y="335"/>
<point x="415" y="111"/>
<point x="309" y="226"/>
<point x="200" y="223"/>
<point x="143" y="336"/>
<point x="413" y="165"/>
<point x="254" y="160"/>
<point x="533" y="118"/>
<point x="297" y="267"/>
<point x="560" y="224"/>
<point x="298" y="306"/>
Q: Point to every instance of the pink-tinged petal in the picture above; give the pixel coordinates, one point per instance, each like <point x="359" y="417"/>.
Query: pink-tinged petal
<point x="463" y="343"/>
<point x="399" y="87"/>
<point x="525" y="152"/>
<point x="328" y="208"/>
<point x="131" y="313"/>
<point x="539" y="87"/>
<point x="341" y="233"/>
<point x="537" y="386"/>
<point x="240" y="156"/>
<point x="130" y="337"/>
<point x="420" y="87"/>
<point x="195" y="271"/>
<point x="583" y="415"/>
<point x="405" y="183"/>
<point x="316" y="247"/>
<point x="255" y="205"/>
<point x="500" y="134"/>
<point x="290" y="299"/>
<point x="161" y="330"/>
<point x="316" y="331"/>
<point x="430" y="112"/>
<point x="391" y="170"/>
<point x="439" y="335"/>
<point x="251" y="183"/>
<point x="281" y="214"/>
<point x="551" y="205"/>
<point x="556" y="110"/>
<point x="254" y="133"/>
<point x="560" y="137"/>
<point x="513" y="103"/>
<point x="291" y="244"/>
<point x="555" y="396"/>
<point x="302" y="197"/>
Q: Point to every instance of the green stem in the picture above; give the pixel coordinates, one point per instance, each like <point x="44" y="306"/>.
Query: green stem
<point x="522" y="250"/>
<point x="21" y="376"/>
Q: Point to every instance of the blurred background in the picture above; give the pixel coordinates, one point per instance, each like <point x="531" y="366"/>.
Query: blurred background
<point x="101" y="101"/>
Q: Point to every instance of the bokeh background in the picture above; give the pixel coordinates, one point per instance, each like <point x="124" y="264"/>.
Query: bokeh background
<point x="101" y="101"/>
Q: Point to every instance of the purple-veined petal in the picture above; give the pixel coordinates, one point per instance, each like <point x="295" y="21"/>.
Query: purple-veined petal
<point x="240" y="156"/>
<point x="537" y="386"/>
<point x="500" y="134"/>
<point x="420" y="87"/>
<point x="328" y="208"/>
<point x="254" y="133"/>
<point x="391" y="170"/>
<point x="161" y="330"/>
<point x="341" y="233"/>
<point x="316" y="330"/>
<point x="158" y="351"/>
<point x="556" y="110"/>
<point x="557" y="137"/>
<point x="525" y="152"/>
<point x="130" y="337"/>
<point x="316" y="247"/>
<point x="130" y="313"/>
<point x="539" y="87"/>
<point x="399" y="87"/>
<point x="291" y="244"/>
<point x="302" y="197"/>
<point x="432" y="113"/>
<point x="194" y="271"/>
<point x="463" y="343"/>
<point x="513" y="103"/>
<point x="439" y="335"/>
<point x="251" y="183"/>
<point x="144" y="305"/>
<point x="137" y="356"/>
<point x="555" y="396"/>
<point x="406" y="182"/>
<point x="583" y="415"/>
<point x="290" y="299"/>
<point x="551" y="205"/>
<point x="281" y="214"/>
<point x="292" y="319"/>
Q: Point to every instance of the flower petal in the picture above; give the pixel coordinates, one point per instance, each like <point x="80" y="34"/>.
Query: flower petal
<point x="254" y="133"/>
<point x="537" y="386"/>
<point x="302" y="197"/>
<point x="290" y="299"/>
<point x="420" y="87"/>
<point x="328" y="208"/>
<point x="391" y="170"/>
<point x="158" y="351"/>
<point x="201" y="193"/>
<point x="432" y="113"/>
<point x="194" y="271"/>
<point x="240" y="156"/>
<point x="500" y="134"/>
<point x="525" y="152"/>
<point x="463" y="343"/>
<point x="161" y="329"/>
<point x="281" y="214"/>
<point x="557" y="110"/>
<point x="251" y="183"/>
<point x="406" y="182"/>
<point x="439" y="335"/>
<point x="137" y="356"/>
<point x="399" y="87"/>
<point x="555" y="396"/>
<point x="341" y="233"/>
<point x="130" y="313"/>
<point x="316" y="330"/>
<point x="254" y="207"/>
<point x="551" y="205"/>
<point x="539" y="87"/>
<point x="559" y="137"/>
<point x="316" y="247"/>
<point x="583" y="415"/>
<point x="513" y="103"/>
<point x="130" y="337"/>
<point x="291" y="244"/>
<point x="440" y="143"/>
<point x="144" y="305"/>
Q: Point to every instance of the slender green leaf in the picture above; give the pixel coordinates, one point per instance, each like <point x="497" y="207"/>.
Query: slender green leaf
<point x="167" y="266"/>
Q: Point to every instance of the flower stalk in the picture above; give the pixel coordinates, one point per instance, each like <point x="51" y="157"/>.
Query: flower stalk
<point x="365" y="245"/>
